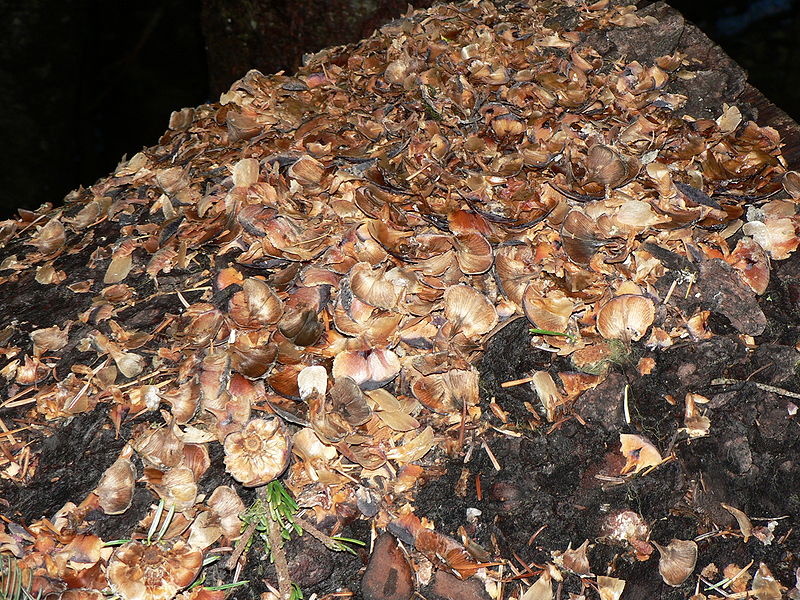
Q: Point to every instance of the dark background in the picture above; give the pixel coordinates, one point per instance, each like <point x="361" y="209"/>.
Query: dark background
<point x="84" y="82"/>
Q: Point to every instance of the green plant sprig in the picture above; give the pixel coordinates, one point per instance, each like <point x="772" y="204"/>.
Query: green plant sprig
<point x="226" y="586"/>
<point x="15" y="581"/>
<point x="343" y="544"/>
<point x="282" y="508"/>
<point x="274" y="506"/>
<point x="277" y="506"/>
<point x="297" y="593"/>
<point x="536" y="331"/>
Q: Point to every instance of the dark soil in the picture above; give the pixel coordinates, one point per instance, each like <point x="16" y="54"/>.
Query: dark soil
<point x="547" y="480"/>
<point x="748" y="461"/>
<point x="547" y="494"/>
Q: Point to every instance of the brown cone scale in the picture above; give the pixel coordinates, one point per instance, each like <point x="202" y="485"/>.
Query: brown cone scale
<point x="388" y="575"/>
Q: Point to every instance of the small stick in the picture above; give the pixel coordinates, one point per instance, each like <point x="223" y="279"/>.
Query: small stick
<point x="500" y="579"/>
<point x="652" y="468"/>
<point x="610" y="479"/>
<point x="31" y="224"/>
<point x="525" y="565"/>
<point x="182" y="299"/>
<point x="759" y="369"/>
<point x="86" y="385"/>
<point x="625" y="405"/>
<point x="345" y="475"/>
<point x="688" y="288"/>
<point x="671" y="289"/>
<point x="241" y="544"/>
<point x="25" y="463"/>
<point x="15" y="399"/>
<point x="513" y="382"/>
<point x="279" y="556"/>
<point x="558" y="423"/>
<point x="417" y="172"/>
<point x="536" y="534"/>
<point x="761" y="386"/>
<point x="327" y="540"/>
<point x="491" y="456"/>
<point x="739" y="574"/>
<point x="463" y="425"/>
<point x="7" y="432"/>
<point x="785" y="537"/>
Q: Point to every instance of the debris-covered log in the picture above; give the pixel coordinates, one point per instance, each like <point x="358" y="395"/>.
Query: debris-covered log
<point x="508" y="286"/>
